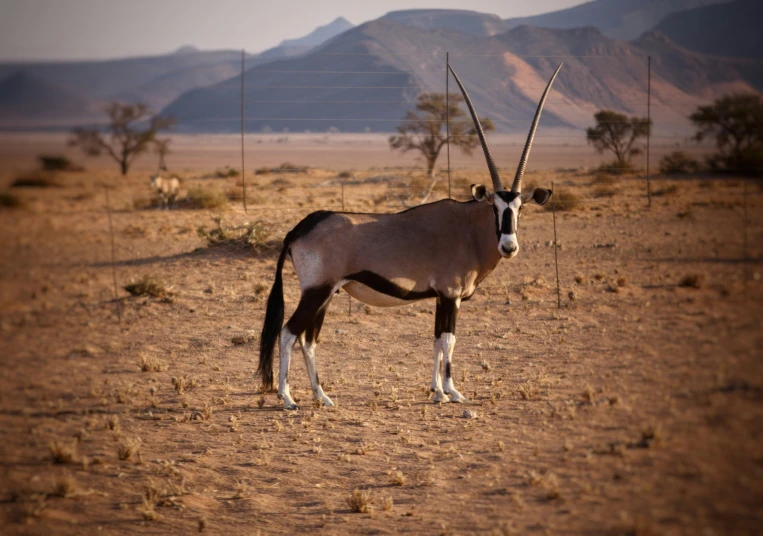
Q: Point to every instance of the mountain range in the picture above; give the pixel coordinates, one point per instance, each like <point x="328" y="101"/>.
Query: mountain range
<point x="364" y="78"/>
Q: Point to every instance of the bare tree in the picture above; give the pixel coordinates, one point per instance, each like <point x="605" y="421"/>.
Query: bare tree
<point x="425" y="131"/>
<point x="162" y="149"/>
<point x="617" y="133"/>
<point x="736" y="121"/>
<point x="131" y="131"/>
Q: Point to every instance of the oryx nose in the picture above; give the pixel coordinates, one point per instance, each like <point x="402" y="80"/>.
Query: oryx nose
<point x="508" y="250"/>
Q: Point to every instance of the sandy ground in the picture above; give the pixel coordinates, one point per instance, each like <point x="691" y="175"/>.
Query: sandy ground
<point x="635" y="408"/>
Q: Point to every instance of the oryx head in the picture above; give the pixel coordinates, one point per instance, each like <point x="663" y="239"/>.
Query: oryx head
<point x="507" y="205"/>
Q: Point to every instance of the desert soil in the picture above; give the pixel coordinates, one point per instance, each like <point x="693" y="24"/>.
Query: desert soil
<point x="635" y="408"/>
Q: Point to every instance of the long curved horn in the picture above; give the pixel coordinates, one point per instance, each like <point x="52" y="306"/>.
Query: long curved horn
<point x="497" y="186"/>
<point x="517" y="184"/>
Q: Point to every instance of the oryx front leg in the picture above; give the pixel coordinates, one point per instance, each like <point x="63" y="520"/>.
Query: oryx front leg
<point x="448" y="342"/>
<point x="445" y="337"/>
<point x="287" y="343"/>
<point x="436" y="386"/>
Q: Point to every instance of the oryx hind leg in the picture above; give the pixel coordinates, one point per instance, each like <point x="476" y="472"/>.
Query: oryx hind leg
<point x="309" y="341"/>
<point x="310" y="304"/>
<point x="445" y="336"/>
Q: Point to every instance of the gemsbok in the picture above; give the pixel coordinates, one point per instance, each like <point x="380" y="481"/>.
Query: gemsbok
<point x="440" y="250"/>
<point x="166" y="190"/>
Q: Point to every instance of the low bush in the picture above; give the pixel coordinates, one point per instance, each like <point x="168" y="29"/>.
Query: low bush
<point x="9" y="200"/>
<point x="148" y="286"/>
<point x="205" y="198"/>
<point x="564" y="200"/>
<point x="252" y="235"/>
<point x="678" y="162"/>
<point x="35" y="180"/>
<point x="57" y="163"/>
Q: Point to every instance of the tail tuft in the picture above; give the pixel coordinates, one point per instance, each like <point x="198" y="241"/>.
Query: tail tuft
<point x="271" y="329"/>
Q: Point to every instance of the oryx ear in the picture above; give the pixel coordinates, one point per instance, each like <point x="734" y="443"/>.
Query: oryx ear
<point x="538" y="195"/>
<point x="480" y="193"/>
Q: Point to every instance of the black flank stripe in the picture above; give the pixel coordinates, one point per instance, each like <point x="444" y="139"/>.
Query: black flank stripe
<point x="385" y="286"/>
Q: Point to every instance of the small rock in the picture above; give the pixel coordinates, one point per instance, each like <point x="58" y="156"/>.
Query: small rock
<point x="470" y="414"/>
<point x="240" y="339"/>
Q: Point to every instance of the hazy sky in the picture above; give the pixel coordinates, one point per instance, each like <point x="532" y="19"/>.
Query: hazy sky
<point x="63" y="29"/>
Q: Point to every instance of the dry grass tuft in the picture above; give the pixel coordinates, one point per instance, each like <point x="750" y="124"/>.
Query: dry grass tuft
<point x="387" y="504"/>
<point x="205" y="198"/>
<point x="398" y="478"/>
<point x="149" y="364"/>
<point x="250" y="235"/>
<point x="62" y="452"/>
<point x="65" y="486"/>
<point x="148" y="286"/>
<point x="696" y="280"/>
<point x="359" y="501"/>
<point x="564" y="201"/>
<point x="527" y="391"/>
<point x="128" y="449"/>
<point x="181" y="383"/>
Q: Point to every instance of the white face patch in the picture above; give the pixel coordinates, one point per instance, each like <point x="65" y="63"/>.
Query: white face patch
<point x="508" y="245"/>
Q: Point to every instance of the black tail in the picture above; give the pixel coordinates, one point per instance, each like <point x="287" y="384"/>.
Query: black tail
<point x="272" y="326"/>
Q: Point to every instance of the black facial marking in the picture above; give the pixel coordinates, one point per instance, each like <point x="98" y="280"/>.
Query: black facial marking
<point x="507" y="226"/>
<point x="445" y="317"/>
<point x="311" y="303"/>
<point x="385" y="286"/>
<point x="508" y="197"/>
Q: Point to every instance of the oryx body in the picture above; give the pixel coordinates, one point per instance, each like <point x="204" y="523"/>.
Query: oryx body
<point x="440" y="250"/>
<point x="167" y="189"/>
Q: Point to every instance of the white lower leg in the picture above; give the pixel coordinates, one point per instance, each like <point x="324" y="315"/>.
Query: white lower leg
<point x="436" y="386"/>
<point x="308" y="350"/>
<point x="448" y="342"/>
<point x="287" y="342"/>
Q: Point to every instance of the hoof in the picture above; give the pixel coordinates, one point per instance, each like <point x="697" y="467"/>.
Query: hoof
<point x="291" y="407"/>
<point x="438" y="397"/>
<point x="456" y="397"/>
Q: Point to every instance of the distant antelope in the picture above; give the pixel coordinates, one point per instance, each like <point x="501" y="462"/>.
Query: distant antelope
<point x="166" y="189"/>
<point x="440" y="250"/>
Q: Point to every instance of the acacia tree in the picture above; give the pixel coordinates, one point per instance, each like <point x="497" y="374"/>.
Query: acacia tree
<point x="617" y="133"/>
<point x="737" y="123"/>
<point x="131" y="131"/>
<point x="424" y="130"/>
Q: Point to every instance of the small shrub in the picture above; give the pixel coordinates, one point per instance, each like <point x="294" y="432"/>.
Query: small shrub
<point x="65" y="486"/>
<point x="602" y="190"/>
<point x="149" y="364"/>
<point x="252" y="235"/>
<point x="128" y="448"/>
<point x="288" y="167"/>
<point x="604" y="179"/>
<point x="205" y="198"/>
<point x="62" y="452"/>
<point x="226" y="172"/>
<point x="667" y="191"/>
<point x="344" y="174"/>
<point x="148" y="286"/>
<point x="678" y="162"/>
<point x="35" y="180"/>
<point x="9" y="200"/>
<point x="692" y="280"/>
<point x="57" y="163"/>
<point x="262" y="171"/>
<point x="565" y="201"/>
<point x="398" y="478"/>
<point x="359" y="501"/>
<point x="617" y="168"/>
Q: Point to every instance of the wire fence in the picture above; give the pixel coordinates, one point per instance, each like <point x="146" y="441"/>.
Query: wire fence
<point x="244" y="213"/>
